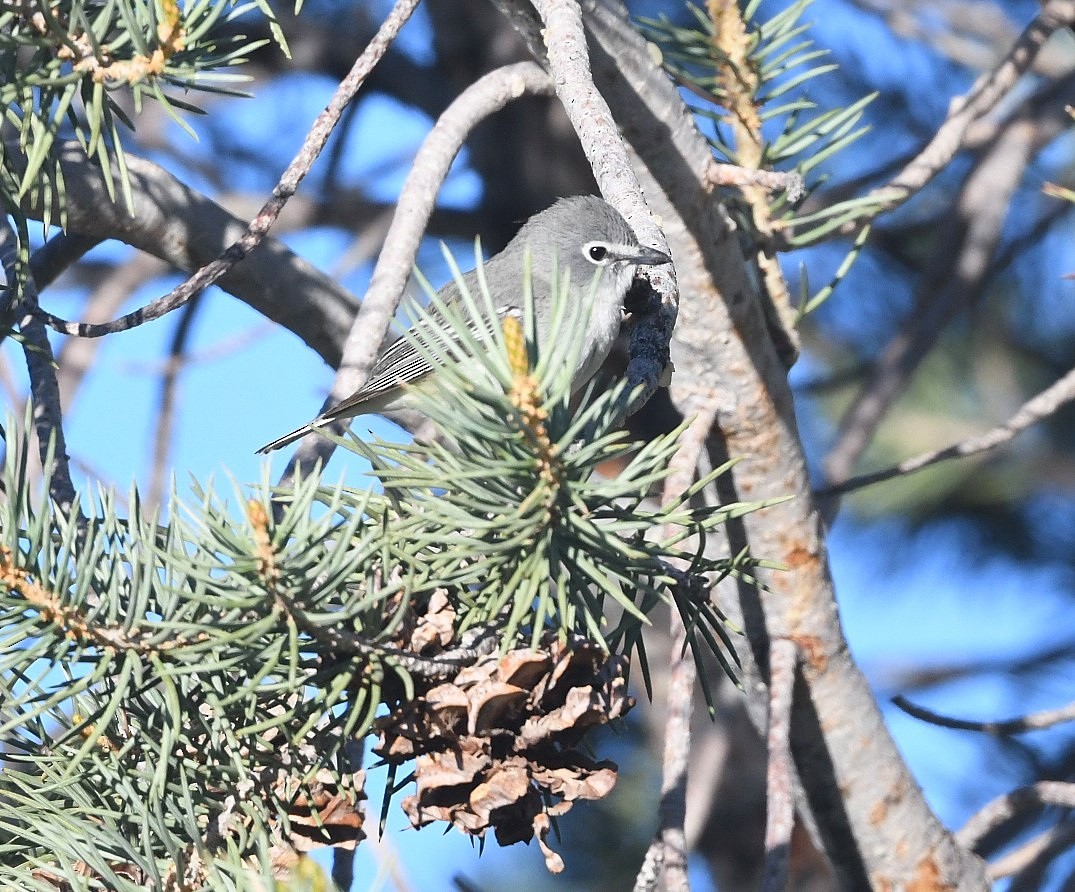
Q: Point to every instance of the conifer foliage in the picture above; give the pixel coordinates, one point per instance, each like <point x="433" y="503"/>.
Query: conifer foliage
<point x="186" y="700"/>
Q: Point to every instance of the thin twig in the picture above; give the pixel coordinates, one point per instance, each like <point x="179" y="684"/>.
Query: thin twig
<point x="162" y="439"/>
<point x="285" y="188"/>
<point x="1049" y="843"/>
<point x="481" y="99"/>
<point x="667" y="854"/>
<point x="987" y="91"/>
<point x="1034" y="721"/>
<point x="1031" y="412"/>
<point x="789" y="182"/>
<point x="780" y="774"/>
<point x="955" y="277"/>
<point x="41" y="368"/>
<point x="1002" y="809"/>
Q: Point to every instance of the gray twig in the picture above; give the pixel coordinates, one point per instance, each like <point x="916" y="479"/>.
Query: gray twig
<point x="971" y="234"/>
<point x="1004" y="808"/>
<point x="790" y="182"/>
<point x="76" y="356"/>
<point x="667" y="854"/>
<point x="41" y="368"/>
<point x="780" y="774"/>
<point x="1034" y="853"/>
<point x="1034" y="721"/>
<point x="987" y="91"/>
<point x="589" y="113"/>
<point x="1031" y="412"/>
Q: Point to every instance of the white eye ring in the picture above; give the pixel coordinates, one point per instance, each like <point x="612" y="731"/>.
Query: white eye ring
<point x="596" y="253"/>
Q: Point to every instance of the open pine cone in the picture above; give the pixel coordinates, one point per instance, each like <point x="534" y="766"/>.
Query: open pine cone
<point x="496" y="745"/>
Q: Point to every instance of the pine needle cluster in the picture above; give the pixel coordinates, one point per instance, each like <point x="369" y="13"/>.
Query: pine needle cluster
<point x="184" y="701"/>
<point x="752" y="77"/>
<point x="77" y="70"/>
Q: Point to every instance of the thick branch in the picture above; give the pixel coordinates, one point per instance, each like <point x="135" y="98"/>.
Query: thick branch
<point x="858" y="798"/>
<point x="177" y="224"/>
<point x="57" y="254"/>
<point x="589" y="113"/>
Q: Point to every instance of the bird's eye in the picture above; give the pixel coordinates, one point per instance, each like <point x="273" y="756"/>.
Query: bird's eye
<point x="597" y="253"/>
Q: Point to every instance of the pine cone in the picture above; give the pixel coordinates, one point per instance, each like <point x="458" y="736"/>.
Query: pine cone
<point x="498" y="743"/>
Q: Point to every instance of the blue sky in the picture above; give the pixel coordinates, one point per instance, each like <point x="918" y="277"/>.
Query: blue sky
<point x="253" y="381"/>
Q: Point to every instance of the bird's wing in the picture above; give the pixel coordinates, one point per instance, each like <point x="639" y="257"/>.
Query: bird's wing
<point x="403" y="362"/>
<point x="400" y="364"/>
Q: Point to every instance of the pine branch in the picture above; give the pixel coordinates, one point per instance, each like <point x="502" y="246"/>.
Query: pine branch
<point x="214" y="671"/>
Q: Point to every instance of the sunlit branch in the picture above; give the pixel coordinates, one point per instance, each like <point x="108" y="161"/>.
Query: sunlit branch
<point x="1039" y="407"/>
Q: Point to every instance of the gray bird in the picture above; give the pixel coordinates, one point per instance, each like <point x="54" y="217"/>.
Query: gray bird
<point x="580" y="235"/>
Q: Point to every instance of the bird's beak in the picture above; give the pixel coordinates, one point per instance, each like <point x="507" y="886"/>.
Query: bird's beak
<point x="650" y="257"/>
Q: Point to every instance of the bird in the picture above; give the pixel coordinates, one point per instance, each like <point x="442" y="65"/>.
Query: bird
<point x="580" y="235"/>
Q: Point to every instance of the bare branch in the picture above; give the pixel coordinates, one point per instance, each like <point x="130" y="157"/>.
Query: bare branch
<point x="569" y="64"/>
<point x="987" y="91"/>
<point x="780" y="777"/>
<point x="285" y="188"/>
<point x="1004" y="808"/>
<point x="483" y="98"/>
<point x="667" y="854"/>
<point x="179" y="225"/>
<point x="1049" y="843"/>
<point x="1037" y="408"/>
<point x="1034" y="721"/>
<point x="722" y="346"/>
<point x="162" y="439"/>
<point x="971" y="233"/>
<point x="41" y="367"/>
<point x="717" y="174"/>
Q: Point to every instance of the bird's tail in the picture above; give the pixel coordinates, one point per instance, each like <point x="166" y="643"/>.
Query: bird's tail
<point x="287" y="439"/>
